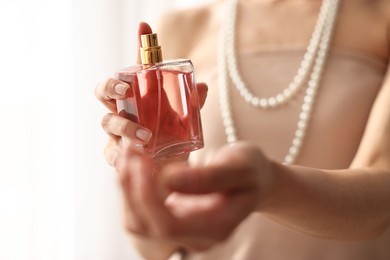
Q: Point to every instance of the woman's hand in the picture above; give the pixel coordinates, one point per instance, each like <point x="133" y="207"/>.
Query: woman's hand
<point x="119" y="128"/>
<point x="204" y="204"/>
<point x="123" y="131"/>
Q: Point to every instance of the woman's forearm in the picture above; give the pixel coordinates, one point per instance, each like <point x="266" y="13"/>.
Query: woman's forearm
<point x="340" y="204"/>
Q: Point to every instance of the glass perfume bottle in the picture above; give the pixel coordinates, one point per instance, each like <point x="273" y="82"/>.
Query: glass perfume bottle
<point x="163" y="99"/>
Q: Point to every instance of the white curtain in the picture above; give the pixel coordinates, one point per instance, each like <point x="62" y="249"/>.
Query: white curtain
<point x="58" y="197"/>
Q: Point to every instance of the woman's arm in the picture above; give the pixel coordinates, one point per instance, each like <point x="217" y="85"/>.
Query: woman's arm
<point x="352" y="203"/>
<point x="342" y="204"/>
<point x="348" y="204"/>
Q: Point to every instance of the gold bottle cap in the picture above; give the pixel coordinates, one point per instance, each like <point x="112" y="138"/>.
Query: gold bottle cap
<point x="150" y="50"/>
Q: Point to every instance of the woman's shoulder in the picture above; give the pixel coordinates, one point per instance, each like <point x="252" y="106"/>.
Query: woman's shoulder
<point x="180" y="30"/>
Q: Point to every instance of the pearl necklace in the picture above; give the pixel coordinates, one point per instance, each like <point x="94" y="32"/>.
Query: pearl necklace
<point x="309" y="73"/>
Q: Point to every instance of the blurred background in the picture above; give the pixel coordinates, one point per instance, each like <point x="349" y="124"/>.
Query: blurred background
<point x="58" y="197"/>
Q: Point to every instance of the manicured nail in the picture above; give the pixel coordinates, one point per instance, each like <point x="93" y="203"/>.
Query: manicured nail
<point x="121" y="88"/>
<point x="143" y="134"/>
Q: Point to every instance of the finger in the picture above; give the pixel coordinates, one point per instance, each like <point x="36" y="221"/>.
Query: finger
<point x="221" y="178"/>
<point x="222" y="216"/>
<point x="200" y="219"/>
<point x="202" y="93"/>
<point x="133" y="221"/>
<point x="143" y="28"/>
<point x="110" y="90"/>
<point x="112" y="151"/>
<point x="116" y="125"/>
<point x="159" y="221"/>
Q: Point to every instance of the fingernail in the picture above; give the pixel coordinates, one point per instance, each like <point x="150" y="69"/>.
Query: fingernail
<point x="121" y="88"/>
<point x="143" y="134"/>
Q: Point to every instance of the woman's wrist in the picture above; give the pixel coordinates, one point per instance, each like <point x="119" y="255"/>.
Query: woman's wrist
<point x="270" y="184"/>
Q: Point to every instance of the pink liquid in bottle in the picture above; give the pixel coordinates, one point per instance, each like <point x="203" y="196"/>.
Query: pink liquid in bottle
<point x="165" y="100"/>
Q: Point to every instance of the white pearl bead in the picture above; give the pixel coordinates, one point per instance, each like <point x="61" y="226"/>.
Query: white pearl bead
<point x="255" y="101"/>
<point x="312" y="83"/>
<point x="301" y="72"/>
<point x="293" y="150"/>
<point x="308" y="99"/>
<point x="302" y="125"/>
<point x="264" y="103"/>
<point x="306" y="108"/>
<point x="287" y="93"/>
<point x="227" y="121"/>
<point x="225" y="113"/>
<point x="288" y="159"/>
<point x="280" y="98"/>
<point x="311" y="49"/>
<point x="314" y="76"/>
<point x="248" y="97"/>
<point x="307" y="56"/>
<point x="229" y="130"/>
<point x="244" y="92"/>
<point x="299" y="133"/>
<point x="305" y="64"/>
<point x="297" y="142"/>
<point x="231" y="139"/>
<point x="303" y="115"/>
<point x="298" y="78"/>
<point x="272" y="101"/>
<point x="311" y="89"/>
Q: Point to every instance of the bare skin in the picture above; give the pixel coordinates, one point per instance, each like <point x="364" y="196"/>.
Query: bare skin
<point x="340" y="194"/>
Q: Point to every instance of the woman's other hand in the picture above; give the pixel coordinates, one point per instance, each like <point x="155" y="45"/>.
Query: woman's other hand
<point x="194" y="207"/>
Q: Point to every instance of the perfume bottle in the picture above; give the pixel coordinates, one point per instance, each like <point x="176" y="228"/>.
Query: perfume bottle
<point x="163" y="99"/>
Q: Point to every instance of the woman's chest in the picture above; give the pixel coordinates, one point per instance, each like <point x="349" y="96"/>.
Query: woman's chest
<point x="339" y="114"/>
<point x="268" y="59"/>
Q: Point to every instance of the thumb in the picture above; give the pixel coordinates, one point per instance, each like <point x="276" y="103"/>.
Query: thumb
<point x="209" y="179"/>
